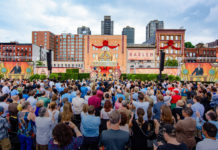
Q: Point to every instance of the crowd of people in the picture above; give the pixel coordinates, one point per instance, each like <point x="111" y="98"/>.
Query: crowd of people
<point x="108" y="115"/>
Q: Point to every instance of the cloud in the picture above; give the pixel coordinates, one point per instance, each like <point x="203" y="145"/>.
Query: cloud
<point x="212" y="17"/>
<point x="19" y="18"/>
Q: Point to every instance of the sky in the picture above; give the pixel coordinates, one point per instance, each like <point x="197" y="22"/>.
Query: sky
<point x="18" y="18"/>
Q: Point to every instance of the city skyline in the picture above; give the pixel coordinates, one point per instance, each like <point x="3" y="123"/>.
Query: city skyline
<point x="19" y="18"/>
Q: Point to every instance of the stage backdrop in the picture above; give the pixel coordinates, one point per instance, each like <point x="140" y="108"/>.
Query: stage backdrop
<point x="207" y="72"/>
<point x="16" y="70"/>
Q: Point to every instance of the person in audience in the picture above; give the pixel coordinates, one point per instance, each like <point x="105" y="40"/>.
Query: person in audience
<point x="169" y="134"/>
<point x="114" y="138"/>
<point x="62" y="137"/>
<point x="210" y="141"/>
<point x="90" y="127"/>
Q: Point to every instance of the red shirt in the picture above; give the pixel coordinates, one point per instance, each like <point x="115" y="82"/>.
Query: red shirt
<point x="175" y="99"/>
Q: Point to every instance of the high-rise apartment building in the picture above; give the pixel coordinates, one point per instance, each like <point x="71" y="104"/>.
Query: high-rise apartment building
<point x="14" y="51"/>
<point x="66" y="47"/>
<point x="107" y="26"/>
<point x="84" y="30"/>
<point x="151" y="28"/>
<point x="44" y="38"/>
<point x="130" y="32"/>
<point x="69" y="47"/>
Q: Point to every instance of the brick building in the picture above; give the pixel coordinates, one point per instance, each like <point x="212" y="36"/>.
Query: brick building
<point x="213" y="44"/>
<point x="140" y="56"/>
<point x="201" y="54"/>
<point x="68" y="49"/>
<point x="14" y="51"/>
<point x="172" y="42"/>
<point x="44" y="38"/>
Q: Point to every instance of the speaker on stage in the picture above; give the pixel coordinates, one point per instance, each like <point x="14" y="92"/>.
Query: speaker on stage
<point x="162" y="58"/>
<point x="49" y="64"/>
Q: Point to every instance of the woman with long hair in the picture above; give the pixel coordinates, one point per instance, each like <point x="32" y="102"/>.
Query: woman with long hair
<point x="105" y="114"/>
<point x="53" y="110"/>
<point x="139" y="129"/>
<point x="165" y="118"/>
<point x="67" y="114"/>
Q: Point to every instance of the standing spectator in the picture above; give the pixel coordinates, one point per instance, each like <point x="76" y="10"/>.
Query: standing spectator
<point x="31" y="99"/>
<point x="4" y="104"/>
<point x="114" y="138"/>
<point x="78" y="103"/>
<point x="167" y="98"/>
<point x="210" y="142"/>
<point x="53" y="110"/>
<point x="175" y="98"/>
<point x="139" y="129"/>
<point x="214" y="100"/>
<point x="63" y="137"/>
<point x="197" y="107"/>
<point x="105" y="114"/>
<point x="170" y="137"/>
<point x="95" y="100"/>
<point x="119" y="94"/>
<point x="4" y="126"/>
<point x="141" y="104"/>
<point x="90" y="125"/>
<point x="44" y="128"/>
<point x="12" y="109"/>
<point x="157" y="107"/>
<point x="185" y="129"/>
<point x="118" y="103"/>
<point x="5" y="89"/>
<point x="26" y="130"/>
<point x="84" y="90"/>
<point x="45" y="99"/>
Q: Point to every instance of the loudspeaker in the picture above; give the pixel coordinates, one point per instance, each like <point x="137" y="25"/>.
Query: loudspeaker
<point x="49" y="65"/>
<point x="162" y="58"/>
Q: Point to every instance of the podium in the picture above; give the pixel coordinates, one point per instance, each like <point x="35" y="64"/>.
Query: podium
<point x="16" y="76"/>
<point x="198" y="78"/>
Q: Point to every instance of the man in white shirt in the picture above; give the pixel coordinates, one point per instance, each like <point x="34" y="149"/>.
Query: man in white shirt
<point x="77" y="103"/>
<point x="5" y="89"/>
<point x="210" y="142"/>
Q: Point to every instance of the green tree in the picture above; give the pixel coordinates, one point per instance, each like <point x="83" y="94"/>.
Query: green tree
<point x="39" y="63"/>
<point x="189" y="45"/>
<point x="171" y="62"/>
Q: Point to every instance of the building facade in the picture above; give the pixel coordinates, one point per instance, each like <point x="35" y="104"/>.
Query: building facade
<point x="140" y="56"/>
<point x="107" y="26"/>
<point x="105" y="54"/>
<point x="69" y="47"/>
<point x="201" y="55"/>
<point x="130" y="33"/>
<point x="14" y="51"/>
<point x="213" y="44"/>
<point x="44" y="38"/>
<point x="171" y="41"/>
<point x="84" y="30"/>
<point x="151" y="28"/>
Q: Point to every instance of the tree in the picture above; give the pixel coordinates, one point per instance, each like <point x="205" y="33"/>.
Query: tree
<point x="39" y="63"/>
<point x="189" y="45"/>
<point x="171" y="62"/>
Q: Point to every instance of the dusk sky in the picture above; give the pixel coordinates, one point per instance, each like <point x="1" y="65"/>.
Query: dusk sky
<point x="18" y="18"/>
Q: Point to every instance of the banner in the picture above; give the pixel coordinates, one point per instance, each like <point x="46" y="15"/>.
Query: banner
<point x="206" y="72"/>
<point x="16" y="70"/>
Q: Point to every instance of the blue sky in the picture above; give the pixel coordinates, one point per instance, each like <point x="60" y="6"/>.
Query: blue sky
<point x="18" y="18"/>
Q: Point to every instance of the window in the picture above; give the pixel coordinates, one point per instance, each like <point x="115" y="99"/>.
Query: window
<point x="162" y="37"/>
<point x="93" y="56"/>
<point x="167" y="37"/>
<point x="35" y="33"/>
<point x="171" y="51"/>
<point x="171" y="37"/>
<point x="176" y="37"/>
<point x="166" y="50"/>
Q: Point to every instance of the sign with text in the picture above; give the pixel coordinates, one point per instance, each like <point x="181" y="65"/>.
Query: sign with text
<point x="140" y="54"/>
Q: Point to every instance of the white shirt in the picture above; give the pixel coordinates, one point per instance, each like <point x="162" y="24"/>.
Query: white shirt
<point x="32" y="101"/>
<point x="143" y="105"/>
<point x="105" y="115"/>
<point x="207" y="144"/>
<point x="78" y="105"/>
<point x="6" y="90"/>
<point x="51" y="83"/>
<point x="43" y="130"/>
